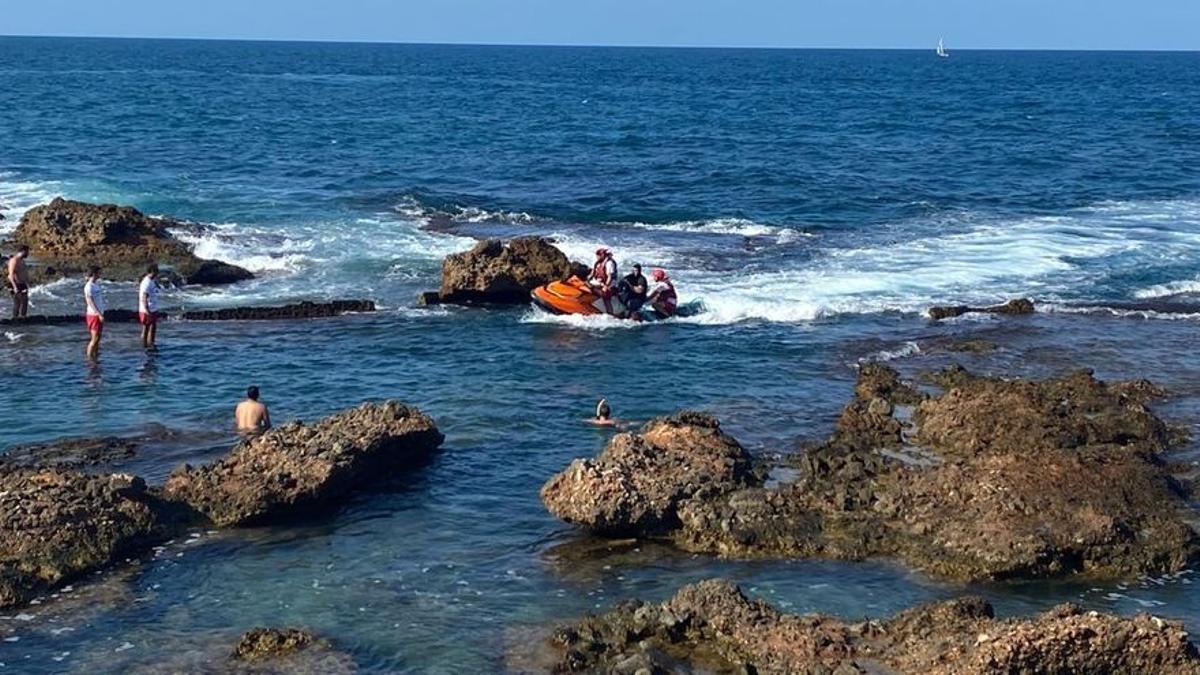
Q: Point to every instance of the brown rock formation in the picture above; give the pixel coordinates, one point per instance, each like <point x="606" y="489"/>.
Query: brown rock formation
<point x="56" y="525"/>
<point x="1012" y="479"/>
<point x="637" y="484"/>
<point x="68" y="236"/>
<point x="1012" y="308"/>
<point x="298" y="467"/>
<point x="496" y="272"/>
<point x="712" y="627"/>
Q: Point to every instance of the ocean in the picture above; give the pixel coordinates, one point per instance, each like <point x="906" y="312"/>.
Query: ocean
<point x="815" y="202"/>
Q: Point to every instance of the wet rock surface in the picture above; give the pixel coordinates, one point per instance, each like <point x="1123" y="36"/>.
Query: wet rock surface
<point x="712" y="627"/>
<point x="300" y="310"/>
<point x="639" y="481"/>
<point x="71" y="453"/>
<point x="296" y="468"/>
<point x="65" y="237"/>
<point x="502" y="273"/>
<point x="992" y="479"/>
<point x="1013" y="307"/>
<point x="57" y="524"/>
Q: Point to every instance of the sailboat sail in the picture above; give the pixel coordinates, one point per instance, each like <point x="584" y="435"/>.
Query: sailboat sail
<point x="941" y="48"/>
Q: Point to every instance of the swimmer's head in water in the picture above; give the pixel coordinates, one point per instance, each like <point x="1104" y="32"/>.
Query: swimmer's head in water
<point x="603" y="411"/>
<point x="252" y="393"/>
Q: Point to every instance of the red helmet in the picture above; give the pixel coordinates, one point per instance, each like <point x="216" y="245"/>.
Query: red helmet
<point x="658" y="275"/>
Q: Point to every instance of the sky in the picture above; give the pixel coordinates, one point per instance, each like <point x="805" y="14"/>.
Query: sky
<point x="977" y="24"/>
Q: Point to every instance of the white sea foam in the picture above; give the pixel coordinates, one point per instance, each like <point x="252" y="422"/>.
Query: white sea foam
<point x="1168" y="289"/>
<point x="732" y="226"/>
<point x="884" y="355"/>
<point x="17" y="196"/>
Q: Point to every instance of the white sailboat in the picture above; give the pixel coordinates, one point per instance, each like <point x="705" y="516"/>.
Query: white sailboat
<point x="941" y="50"/>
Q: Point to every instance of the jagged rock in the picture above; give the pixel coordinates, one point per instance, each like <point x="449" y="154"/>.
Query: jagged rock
<point x="56" y="525"/>
<point x="495" y="272"/>
<point x="638" y="482"/>
<point x="1015" y="479"/>
<point x="712" y="627"/>
<point x="1012" y="308"/>
<point x="260" y="644"/>
<point x="297" y="467"/>
<point x="300" y="310"/>
<point x="66" y="237"/>
<point x="979" y="414"/>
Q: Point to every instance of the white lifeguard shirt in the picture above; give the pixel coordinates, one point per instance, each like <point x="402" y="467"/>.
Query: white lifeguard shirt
<point x="93" y="292"/>
<point x="148" y="295"/>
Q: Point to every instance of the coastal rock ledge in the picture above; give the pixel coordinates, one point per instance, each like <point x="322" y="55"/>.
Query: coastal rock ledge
<point x="992" y="479"/>
<point x="65" y="237"/>
<point x="712" y="627"/>
<point x="56" y="525"/>
<point x="501" y="273"/>
<point x="296" y="468"/>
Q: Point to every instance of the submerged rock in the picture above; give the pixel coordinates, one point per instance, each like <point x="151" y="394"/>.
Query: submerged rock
<point x="1009" y="479"/>
<point x="638" y="482"/>
<point x="66" y="237"/>
<point x="300" y="310"/>
<point x="296" y="467"/>
<point x="502" y="273"/>
<point x="71" y="453"/>
<point x="712" y="627"/>
<point x="1012" y="307"/>
<point x="56" y="525"/>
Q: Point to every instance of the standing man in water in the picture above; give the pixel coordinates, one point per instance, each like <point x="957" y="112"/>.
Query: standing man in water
<point x="18" y="282"/>
<point x="148" y="306"/>
<point x="252" y="415"/>
<point x="93" y="298"/>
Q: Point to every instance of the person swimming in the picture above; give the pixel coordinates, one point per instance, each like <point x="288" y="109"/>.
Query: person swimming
<point x="603" y="416"/>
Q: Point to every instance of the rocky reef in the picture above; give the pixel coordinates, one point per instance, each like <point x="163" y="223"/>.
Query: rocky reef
<point x="297" y="467"/>
<point x="501" y="273"/>
<point x="636" y="485"/>
<point x="58" y="523"/>
<point x="712" y="627"/>
<point x="991" y="479"/>
<point x="300" y="310"/>
<point x="1013" y="307"/>
<point x="66" y="237"/>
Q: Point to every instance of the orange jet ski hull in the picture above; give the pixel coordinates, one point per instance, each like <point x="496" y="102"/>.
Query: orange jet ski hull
<point x="572" y="296"/>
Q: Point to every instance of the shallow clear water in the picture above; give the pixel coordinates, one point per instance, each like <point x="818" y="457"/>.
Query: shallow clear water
<point x="815" y="202"/>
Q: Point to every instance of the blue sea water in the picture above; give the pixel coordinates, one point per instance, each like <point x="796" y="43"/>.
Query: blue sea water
<point x="816" y="202"/>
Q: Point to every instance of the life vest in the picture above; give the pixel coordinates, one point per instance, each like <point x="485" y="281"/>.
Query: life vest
<point x="600" y="271"/>
<point x="665" y="297"/>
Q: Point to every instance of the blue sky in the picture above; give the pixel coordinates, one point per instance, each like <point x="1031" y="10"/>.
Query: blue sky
<point x="1033" y="24"/>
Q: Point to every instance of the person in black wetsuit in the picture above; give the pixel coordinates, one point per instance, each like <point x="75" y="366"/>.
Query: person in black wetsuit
<point x="632" y="289"/>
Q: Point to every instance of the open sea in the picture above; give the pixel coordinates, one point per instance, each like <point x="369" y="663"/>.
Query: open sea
<point x="815" y="202"/>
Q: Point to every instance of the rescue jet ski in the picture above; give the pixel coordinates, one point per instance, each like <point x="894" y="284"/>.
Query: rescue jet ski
<point x="575" y="296"/>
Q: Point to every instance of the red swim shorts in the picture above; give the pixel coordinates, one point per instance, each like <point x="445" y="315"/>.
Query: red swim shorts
<point x="147" y="318"/>
<point x="94" y="324"/>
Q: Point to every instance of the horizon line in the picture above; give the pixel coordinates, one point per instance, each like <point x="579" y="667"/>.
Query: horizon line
<point x="581" y="45"/>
